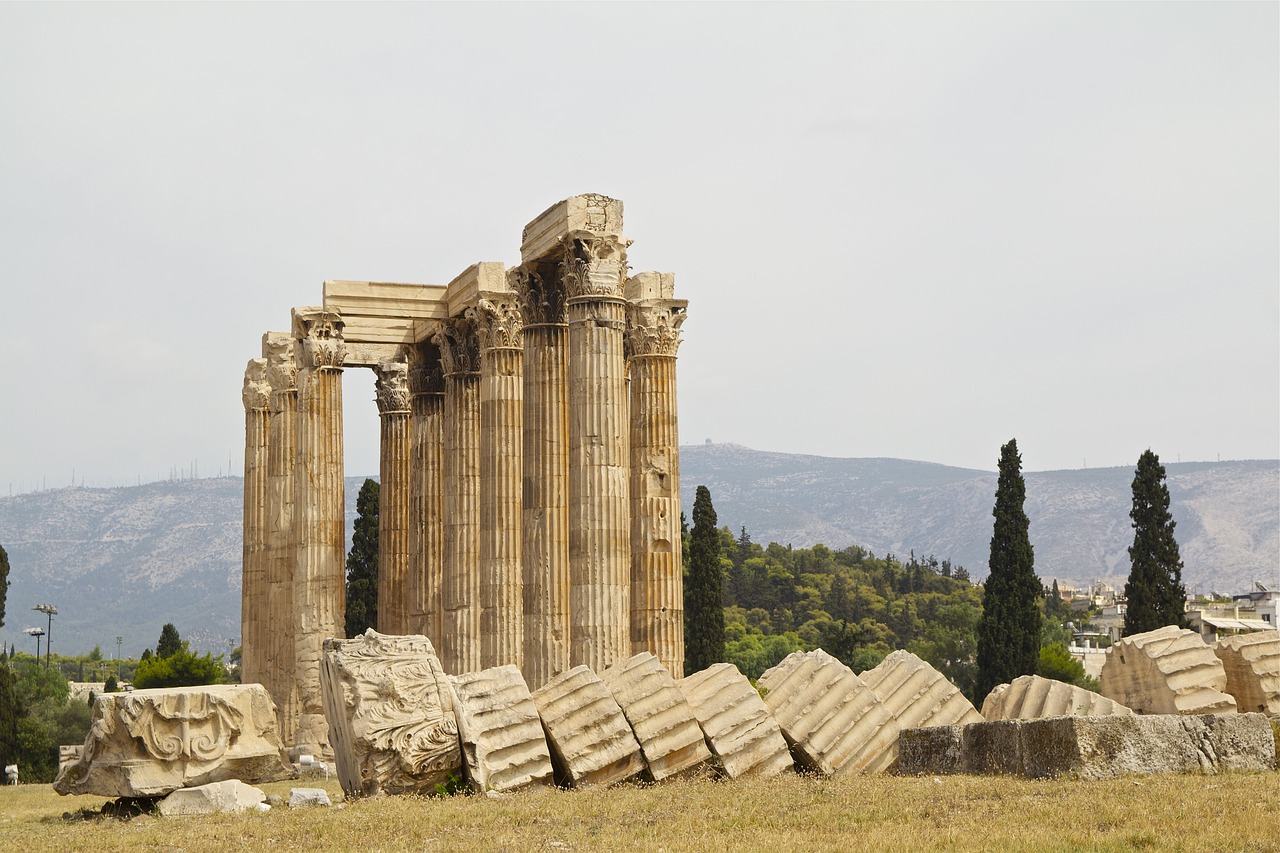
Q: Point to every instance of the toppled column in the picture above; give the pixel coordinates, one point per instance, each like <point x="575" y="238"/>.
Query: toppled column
<point x="832" y="719"/>
<point x="319" y="592"/>
<point x="503" y="745"/>
<point x="254" y="595"/>
<point x="660" y="716"/>
<point x="426" y="492"/>
<point x="742" y="734"/>
<point x="498" y="325"/>
<point x="599" y="468"/>
<point x="657" y="589"/>
<point x="917" y="695"/>
<point x="460" y="579"/>
<point x="146" y="743"/>
<point x="1166" y="671"/>
<point x="392" y="389"/>
<point x="1252" y="666"/>
<point x="1031" y="697"/>
<point x="545" y="512"/>
<point x="591" y="742"/>
<point x="390" y="712"/>
<point x="282" y="535"/>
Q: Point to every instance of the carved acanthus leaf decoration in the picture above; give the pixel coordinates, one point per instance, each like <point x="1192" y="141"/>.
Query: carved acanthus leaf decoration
<point x="498" y="324"/>
<point x="282" y="368"/>
<point x="653" y="330"/>
<point x="256" y="392"/>
<point x="321" y="336"/>
<point x="426" y="375"/>
<point x="541" y="300"/>
<point x="594" y="266"/>
<point x="459" y="347"/>
<point x="392" y="387"/>
<point x="193" y="726"/>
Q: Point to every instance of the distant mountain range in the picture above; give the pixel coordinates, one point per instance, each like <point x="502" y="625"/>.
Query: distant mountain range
<point x="123" y="561"/>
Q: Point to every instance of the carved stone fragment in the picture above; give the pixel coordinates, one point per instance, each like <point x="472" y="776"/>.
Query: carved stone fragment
<point x="590" y="739"/>
<point x="917" y="695"/>
<point x="146" y="743"/>
<point x="389" y="707"/>
<point x="229" y="797"/>
<point x="834" y="722"/>
<point x="1093" y="747"/>
<point x="1031" y="697"/>
<point x="503" y="744"/>
<point x="1166" y="671"/>
<point x="742" y="734"/>
<point x="1252" y="664"/>
<point x="660" y="716"/>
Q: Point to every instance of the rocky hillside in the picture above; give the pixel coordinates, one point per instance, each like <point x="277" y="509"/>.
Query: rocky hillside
<point x="122" y="562"/>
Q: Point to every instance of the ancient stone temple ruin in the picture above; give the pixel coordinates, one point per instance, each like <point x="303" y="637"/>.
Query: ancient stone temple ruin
<point x="529" y="511"/>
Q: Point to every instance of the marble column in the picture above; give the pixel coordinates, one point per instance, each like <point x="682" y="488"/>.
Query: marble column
<point x="282" y="544"/>
<point x="426" y="492"/>
<point x="498" y="327"/>
<point x="319" y="589"/>
<point x="460" y="578"/>
<point x="599" y="470"/>
<point x="253" y="584"/>
<point x="545" y="527"/>
<point x="392" y="388"/>
<point x="657" y="577"/>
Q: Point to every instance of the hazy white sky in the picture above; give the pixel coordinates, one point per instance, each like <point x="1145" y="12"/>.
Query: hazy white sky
<point x="905" y="230"/>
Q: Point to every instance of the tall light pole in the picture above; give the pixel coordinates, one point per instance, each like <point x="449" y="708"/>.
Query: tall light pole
<point x="119" y="640"/>
<point x="37" y="633"/>
<point x="50" y="611"/>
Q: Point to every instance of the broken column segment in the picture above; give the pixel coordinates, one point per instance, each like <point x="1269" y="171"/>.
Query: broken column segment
<point x="503" y="744"/>
<point x="741" y="733"/>
<point x="1166" y="671"/>
<point x="590" y="739"/>
<point x="1031" y="697"/>
<point x="661" y="718"/>
<point x="1252" y="665"/>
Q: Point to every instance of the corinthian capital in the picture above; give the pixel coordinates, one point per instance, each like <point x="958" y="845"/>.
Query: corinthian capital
<point x="498" y="323"/>
<point x="654" y="329"/>
<point x="459" y="347"/>
<point x="426" y="375"/>
<point x="541" y="299"/>
<point x="320" y="333"/>
<point x="282" y="367"/>
<point x="594" y="266"/>
<point x="257" y="392"/>
<point x="392" y="387"/>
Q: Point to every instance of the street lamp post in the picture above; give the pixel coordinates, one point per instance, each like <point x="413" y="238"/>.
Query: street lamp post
<point x="50" y="611"/>
<point x="119" y="640"/>
<point x="37" y="633"/>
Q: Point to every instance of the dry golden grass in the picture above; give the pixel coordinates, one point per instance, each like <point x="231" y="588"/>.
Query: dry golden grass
<point x="1232" y="812"/>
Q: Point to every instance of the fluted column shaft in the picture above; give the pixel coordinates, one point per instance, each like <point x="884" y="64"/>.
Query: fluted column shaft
<point x="460" y="580"/>
<point x="498" y="323"/>
<point x="599" y="526"/>
<point x="253" y="585"/>
<point x="426" y="495"/>
<point x="545" y="546"/>
<point x="319" y="598"/>
<point x="393" y="498"/>
<point x="282" y="545"/>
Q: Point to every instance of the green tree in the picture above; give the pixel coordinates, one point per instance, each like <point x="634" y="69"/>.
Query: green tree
<point x="183" y="668"/>
<point x="112" y="685"/>
<point x="169" y="643"/>
<point x="4" y="582"/>
<point x="8" y="717"/>
<point x="703" y="609"/>
<point x="1009" y="629"/>
<point x="362" y="563"/>
<point x="1155" y="594"/>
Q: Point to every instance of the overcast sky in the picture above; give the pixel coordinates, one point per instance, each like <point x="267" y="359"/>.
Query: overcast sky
<point x="904" y="230"/>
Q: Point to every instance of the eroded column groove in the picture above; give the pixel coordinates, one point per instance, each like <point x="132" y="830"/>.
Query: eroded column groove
<point x="426" y="494"/>
<point x="254" y="593"/>
<point x="392" y="387"/>
<point x="282" y="547"/>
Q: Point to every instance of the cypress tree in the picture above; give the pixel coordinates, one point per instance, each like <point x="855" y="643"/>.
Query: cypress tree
<point x="170" y="643"/>
<point x="8" y="718"/>
<point x="1009" y="629"/>
<point x="1155" y="594"/>
<point x="362" y="563"/>
<point x="4" y="582"/>
<point x="703" y="610"/>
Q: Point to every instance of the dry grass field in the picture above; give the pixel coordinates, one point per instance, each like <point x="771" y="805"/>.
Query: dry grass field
<point x="1232" y="812"/>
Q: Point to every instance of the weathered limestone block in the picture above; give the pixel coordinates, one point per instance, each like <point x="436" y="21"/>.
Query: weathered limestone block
<point x="389" y="707"/>
<point x="147" y="743"/>
<point x="503" y="744"/>
<point x="1166" y="671"/>
<point x="834" y="722"/>
<point x="1252" y="664"/>
<point x="1093" y="747"/>
<point x="1030" y="697"/>
<point x="229" y="797"/>
<point x="742" y="734"/>
<point x="590" y="739"/>
<point x="299" y="797"/>
<point x="917" y="695"/>
<point x="660" y="716"/>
